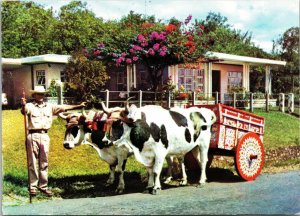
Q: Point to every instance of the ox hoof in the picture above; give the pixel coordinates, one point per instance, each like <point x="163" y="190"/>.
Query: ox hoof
<point x="148" y="190"/>
<point x="119" y="190"/>
<point x="155" y="191"/>
<point x="183" y="183"/>
<point x="201" y="185"/>
<point x="168" y="180"/>
<point x="108" y="184"/>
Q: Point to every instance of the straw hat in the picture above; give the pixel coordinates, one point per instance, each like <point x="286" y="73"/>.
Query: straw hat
<point x="38" y="90"/>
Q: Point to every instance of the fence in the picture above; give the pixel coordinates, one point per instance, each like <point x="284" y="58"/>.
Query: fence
<point x="246" y="101"/>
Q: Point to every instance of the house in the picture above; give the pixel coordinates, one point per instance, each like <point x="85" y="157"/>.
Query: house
<point x="218" y="74"/>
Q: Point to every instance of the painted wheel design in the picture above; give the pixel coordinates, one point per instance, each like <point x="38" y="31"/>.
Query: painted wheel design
<point x="249" y="156"/>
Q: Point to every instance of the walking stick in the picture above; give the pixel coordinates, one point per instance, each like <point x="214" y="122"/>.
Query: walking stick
<point x="26" y="148"/>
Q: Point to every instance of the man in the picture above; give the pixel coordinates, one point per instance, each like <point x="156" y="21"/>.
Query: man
<point x="39" y="120"/>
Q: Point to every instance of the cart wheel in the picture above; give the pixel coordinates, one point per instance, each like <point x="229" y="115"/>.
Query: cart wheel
<point x="249" y="156"/>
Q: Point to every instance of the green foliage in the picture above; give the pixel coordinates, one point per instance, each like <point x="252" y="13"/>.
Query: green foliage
<point x="227" y="40"/>
<point x="85" y="78"/>
<point x="76" y="27"/>
<point x="286" y="79"/>
<point x="52" y="90"/>
<point x="25" y="29"/>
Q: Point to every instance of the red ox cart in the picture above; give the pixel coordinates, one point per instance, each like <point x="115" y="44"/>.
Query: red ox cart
<point x="240" y="134"/>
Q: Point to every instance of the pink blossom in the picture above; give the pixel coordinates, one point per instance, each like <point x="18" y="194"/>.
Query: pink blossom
<point x="132" y="50"/>
<point x="123" y="54"/>
<point x="141" y="38"/>
<point x="101" y="45"/>
<point x="135" y="58"/>
<point x="162" y="53"/>
<point x="136" y="47"/>
<point x="97" y="52"/>
<point x="188" y="19"/>
<point x="144" y="44"/>
<point x="164" y="48"/>
<point x="154" y="35"/>
<point x="162" y="36"/>
<point x="151" y="51"/>
<point x="114" y="55"/>
<point x="128" y="61"/>
<point x="156" y="46"/>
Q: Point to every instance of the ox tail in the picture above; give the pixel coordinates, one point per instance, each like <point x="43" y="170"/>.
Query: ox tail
<point x="140" y="158"/>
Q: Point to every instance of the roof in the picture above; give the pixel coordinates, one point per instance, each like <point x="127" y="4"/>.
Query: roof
<point x="47" y="58"/>
<point x="56" y="58"/>
<point x="52" y="58"/>
<point x="229" y="58"/>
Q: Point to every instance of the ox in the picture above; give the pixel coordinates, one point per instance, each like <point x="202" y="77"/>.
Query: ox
<point x="153" y="133"/>
<point x="90" y="129"/>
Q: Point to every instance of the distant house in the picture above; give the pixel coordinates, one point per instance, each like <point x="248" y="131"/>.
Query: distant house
<point x="219" y="74"/>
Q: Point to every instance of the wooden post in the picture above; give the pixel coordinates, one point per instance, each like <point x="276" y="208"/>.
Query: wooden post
<point x="281" y="102"/>
<point x="107" y="98"/>
<point x="267" y="101"/>
<point x="251" y="102"/>
<point x="193" y="98"/>
<point x="59" y="89"/>
<point x="140" y="98"/>
<point x="291" y="107"/>
<point x="28" y="150"/>
<point x="217" y="98"/>
<point x="169" y="100"/>
<point x="234" y="100"/>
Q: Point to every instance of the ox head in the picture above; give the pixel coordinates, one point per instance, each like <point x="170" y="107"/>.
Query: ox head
<point x="77" y="128"/>
<point x="113" y="126"/>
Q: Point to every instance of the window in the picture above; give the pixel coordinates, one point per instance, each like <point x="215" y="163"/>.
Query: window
<point x="234" y="80"/>
<point x="144" y="78"/>
<point x="191" y="79"/>
<point x="121" y="80"/>
<point x="41" y="78"/>
<point x="62" y="76"/>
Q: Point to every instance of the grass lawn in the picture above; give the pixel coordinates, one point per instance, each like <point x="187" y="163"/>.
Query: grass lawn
<point x="80" y="172"/>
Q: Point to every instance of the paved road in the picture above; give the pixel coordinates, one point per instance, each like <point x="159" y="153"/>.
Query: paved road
<point x="268" y="194"/>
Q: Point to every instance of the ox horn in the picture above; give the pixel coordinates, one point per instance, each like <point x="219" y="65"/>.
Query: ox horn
<point x="127" y="103"/>
<point x="105" y="109"/>
<point x="62" y="115"/>
<point x="83" y="112"/>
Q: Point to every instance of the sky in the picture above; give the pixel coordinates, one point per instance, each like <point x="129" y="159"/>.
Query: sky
<point x="267" y="20"/>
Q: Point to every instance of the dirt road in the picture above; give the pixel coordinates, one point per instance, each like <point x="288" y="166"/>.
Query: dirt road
<point x="268" y="194"/>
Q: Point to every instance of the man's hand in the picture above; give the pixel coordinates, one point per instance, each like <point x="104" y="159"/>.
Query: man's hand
<point x="23" y="101"/>
<point x="83" y="104"/>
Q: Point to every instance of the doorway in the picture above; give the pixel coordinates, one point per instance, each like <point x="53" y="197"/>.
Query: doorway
<point x="216" y="84"/>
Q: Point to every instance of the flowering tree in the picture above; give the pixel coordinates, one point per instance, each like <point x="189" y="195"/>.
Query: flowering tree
<point x="157" y="46"/>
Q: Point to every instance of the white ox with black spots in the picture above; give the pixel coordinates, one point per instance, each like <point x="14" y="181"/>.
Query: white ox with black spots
<point x="90" y="129"/>
<point x="153" y="133"/>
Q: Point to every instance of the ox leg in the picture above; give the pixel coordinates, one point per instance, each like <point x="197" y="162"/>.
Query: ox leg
<point x="111" y="177"/>
<point x="150" y="180"/>
<point x="203" y="159"/>
<point x="156" y="171"/>
<point x="121" y="185"/>
<point x="184" y="175"/>
<point x="170" y="167"/>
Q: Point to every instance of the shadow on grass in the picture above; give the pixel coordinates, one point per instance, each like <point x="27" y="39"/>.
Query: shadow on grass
<point x="85" y="186"/>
